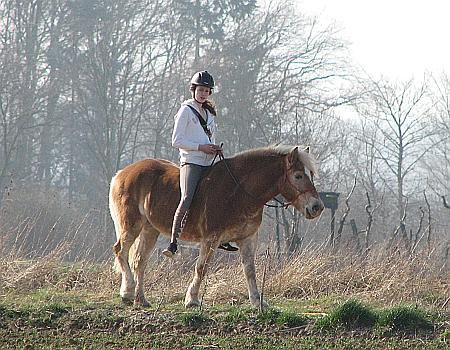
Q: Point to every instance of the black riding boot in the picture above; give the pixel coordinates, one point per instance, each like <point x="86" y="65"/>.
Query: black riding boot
<point x="228" y="247"/>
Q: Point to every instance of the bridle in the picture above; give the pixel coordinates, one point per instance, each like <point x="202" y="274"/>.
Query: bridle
<point x="287" y="180"/>
<point x="282" y="183"/>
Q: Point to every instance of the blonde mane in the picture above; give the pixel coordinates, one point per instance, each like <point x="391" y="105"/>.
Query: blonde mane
<point x="305" y="157"/>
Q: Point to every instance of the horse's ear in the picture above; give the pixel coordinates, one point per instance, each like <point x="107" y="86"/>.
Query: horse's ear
<point x="293" y="155"/>
<point x="307" y="149"/>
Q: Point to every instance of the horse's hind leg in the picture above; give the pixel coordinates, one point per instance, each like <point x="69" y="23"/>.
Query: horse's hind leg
<point x="143" y="247"/>
<point x="206" y="252"/>
<point x="121" y="249"/>
<point x="247" y="248"/>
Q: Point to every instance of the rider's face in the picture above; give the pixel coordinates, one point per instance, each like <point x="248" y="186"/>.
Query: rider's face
<point x="201" y="93"/>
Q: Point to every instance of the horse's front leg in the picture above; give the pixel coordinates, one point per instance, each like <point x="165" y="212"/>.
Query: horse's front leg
<point x="247" y="248"/>
<point x="206" y="251"/>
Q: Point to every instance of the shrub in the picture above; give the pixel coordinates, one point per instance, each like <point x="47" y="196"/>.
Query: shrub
<point x="350" y="314"/>
<point x="404" y="318"/>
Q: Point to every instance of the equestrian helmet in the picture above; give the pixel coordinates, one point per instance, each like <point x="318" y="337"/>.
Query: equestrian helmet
<point x="203" y="78"/>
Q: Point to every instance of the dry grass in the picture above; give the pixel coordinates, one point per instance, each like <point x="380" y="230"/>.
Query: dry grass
<point x="46" y="245"/>
<point x="378" y="277"/>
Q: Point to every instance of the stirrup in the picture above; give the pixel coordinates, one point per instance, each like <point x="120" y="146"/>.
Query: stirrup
<point x="171" y="250"/>
<point x="228" y="247"/>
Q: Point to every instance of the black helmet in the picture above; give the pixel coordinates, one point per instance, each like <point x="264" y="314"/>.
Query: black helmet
<point x="203" y="78"/>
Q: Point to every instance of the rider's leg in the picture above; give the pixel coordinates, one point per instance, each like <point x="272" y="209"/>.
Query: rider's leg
<point x="190" y="175"/>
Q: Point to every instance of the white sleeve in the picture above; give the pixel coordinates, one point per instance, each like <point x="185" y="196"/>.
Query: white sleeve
<point x="179" y="137"/>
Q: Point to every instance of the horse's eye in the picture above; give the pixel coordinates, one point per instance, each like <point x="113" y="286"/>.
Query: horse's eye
<point x="298" y="176"/>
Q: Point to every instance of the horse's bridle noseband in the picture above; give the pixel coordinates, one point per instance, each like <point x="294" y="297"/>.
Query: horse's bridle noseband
<point x="286" y="179"/>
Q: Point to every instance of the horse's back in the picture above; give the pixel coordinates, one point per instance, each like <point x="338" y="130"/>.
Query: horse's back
<point x="133" y="187"/>
<point x="142" y="174"/>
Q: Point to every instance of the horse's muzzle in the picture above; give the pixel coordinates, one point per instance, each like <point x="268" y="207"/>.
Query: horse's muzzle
<point x="313" y="208"/>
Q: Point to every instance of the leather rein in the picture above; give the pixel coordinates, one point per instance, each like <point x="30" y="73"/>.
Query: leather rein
<point x="286" y="179"/>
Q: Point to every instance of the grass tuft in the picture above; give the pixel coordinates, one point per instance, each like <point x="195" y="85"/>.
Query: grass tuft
<point x="291" y="319"/>
<point x="445" y="336"/>
<point x="7" y="313"/>
<point x="350" y="314"/>
<point x="404" y="318"/>
<point x="56" y="308"/>
<point x="281" y="318"/>
<point x="193" y="318"/>
<point x="236" y="314"/>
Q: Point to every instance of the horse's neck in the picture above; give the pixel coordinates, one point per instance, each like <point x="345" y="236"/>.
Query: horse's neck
<point x="261" y="177"/>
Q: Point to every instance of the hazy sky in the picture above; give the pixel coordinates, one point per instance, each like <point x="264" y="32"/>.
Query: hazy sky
<point x="396" y="38"/>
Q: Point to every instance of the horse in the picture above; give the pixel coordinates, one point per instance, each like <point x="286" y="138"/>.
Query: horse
<point x="227" y="207"/>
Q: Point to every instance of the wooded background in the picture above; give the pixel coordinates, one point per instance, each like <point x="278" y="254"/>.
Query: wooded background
<point x="89" y="86"/>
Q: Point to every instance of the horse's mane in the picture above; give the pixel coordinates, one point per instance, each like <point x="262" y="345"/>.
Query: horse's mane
<point x="306" y="158"/>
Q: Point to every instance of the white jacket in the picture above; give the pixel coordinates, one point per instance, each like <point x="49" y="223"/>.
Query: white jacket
<point x="188" y="134"/>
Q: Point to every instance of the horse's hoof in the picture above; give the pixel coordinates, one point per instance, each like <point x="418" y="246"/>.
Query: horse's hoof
<point x="191" y="304"/>
<point x="264" y="306"/>
<point x="258" y="305"/>
<point x="127" y="301"/>
<point x="141" y="302"/>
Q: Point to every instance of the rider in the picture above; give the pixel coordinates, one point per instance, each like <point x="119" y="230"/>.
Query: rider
<point x="193" y="135"/>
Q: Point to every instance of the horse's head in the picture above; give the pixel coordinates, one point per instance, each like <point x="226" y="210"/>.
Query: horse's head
<point x="297" y="186"/>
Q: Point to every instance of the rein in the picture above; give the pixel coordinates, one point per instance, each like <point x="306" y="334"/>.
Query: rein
<point x="280" y="204"/>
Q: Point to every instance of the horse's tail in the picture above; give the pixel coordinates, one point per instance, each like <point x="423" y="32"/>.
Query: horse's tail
<point x="115" y="207"/>
<point x="114" y="211"/>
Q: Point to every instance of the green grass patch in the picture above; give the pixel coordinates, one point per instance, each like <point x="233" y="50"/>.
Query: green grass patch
<point x="350" y="314"/>
<point x="193" y="318"/>
<point x="97" y="319"/>
<point x="33" y="311"/>
<point x="404" y="318"/>
<point x="42" y="297"/>
<point x="7" y="313"/>
<point x="316" y="305"/>
<point x="281" y="318"/>
<point x="78" y="321"/>
<point x="46" y="315"/>
<point x="236" y="315"/>
<point x="445" y="336"/>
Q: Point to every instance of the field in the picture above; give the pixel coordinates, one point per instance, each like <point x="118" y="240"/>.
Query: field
<point x="318" y="300"/>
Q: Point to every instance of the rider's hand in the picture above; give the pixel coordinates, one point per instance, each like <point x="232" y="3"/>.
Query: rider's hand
<point x="210" y="148"/>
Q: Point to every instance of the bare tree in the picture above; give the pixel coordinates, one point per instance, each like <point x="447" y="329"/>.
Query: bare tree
<point x="276" y="70"/>
<point x="24" y="86"/>
<point x="437" y="162"/>
<point x="335" y="241"/>
<point x="113" y="60"/>
<point x="205" y="22"/>
<point x="400" y="114"/>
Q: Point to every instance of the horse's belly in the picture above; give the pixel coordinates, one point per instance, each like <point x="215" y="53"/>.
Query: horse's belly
<point x="239" y="232"/>
<point x="192" y="233"/>
<point x="198" y="229"/>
